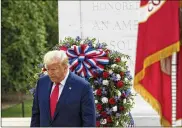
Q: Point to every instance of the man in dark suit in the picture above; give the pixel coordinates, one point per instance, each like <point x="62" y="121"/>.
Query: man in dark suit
<point x="62" y="99"/>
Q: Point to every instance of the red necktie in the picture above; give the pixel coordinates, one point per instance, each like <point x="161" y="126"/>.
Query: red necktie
<point x="54" y="99"/>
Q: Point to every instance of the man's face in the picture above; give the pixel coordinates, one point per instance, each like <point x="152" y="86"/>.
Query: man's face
<point x="57" y="71"/>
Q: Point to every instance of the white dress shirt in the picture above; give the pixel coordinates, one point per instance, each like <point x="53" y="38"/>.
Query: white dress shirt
<point x="61" y="85"/>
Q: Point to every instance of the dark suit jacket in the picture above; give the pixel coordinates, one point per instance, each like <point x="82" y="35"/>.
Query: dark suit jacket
<point x="75" y="108"/>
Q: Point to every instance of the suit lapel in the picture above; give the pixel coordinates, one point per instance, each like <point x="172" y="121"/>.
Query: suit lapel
<point x="48" y="98"/>
<point x="65" y="93"/>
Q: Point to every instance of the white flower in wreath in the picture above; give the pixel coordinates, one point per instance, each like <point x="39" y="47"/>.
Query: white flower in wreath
<point x="110" y="71"/>
<point x="119" y="93"/>
<point x="124" y="101"/>
<point x="114" y="109"/>
<point x="104" y="100"/>
<point x="130" y="100"/>
<point x="124" y="59"/>
<point x="96" y="101"/>
<point x="95" y="92"/>
<point x="113" y="66"/>
<point x="82" y="42"/>
<point x="122" y="68"/>
<point x="105" y="82"/>
<point x="94" y="45"/>
<point x="117" y="123"/>
<point x="92" y="86"/>
<point x="103" y="121"/>
<point x="126" y="79"/>
<point x="118" y="77"/>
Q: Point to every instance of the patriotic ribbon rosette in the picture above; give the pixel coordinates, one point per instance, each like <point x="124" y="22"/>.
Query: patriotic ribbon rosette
<point x="85" y="60"/>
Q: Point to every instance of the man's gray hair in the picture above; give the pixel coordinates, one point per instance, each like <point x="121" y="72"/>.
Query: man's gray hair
<point x="56" y="55"/>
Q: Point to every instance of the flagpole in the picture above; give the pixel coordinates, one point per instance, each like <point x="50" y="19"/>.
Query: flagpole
<point x="173" y="87"/>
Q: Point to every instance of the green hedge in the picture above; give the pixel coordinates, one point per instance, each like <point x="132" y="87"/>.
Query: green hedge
<point x="29" y="28"/>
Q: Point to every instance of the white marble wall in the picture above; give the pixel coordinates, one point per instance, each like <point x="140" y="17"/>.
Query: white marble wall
<point x="113" y="22"/>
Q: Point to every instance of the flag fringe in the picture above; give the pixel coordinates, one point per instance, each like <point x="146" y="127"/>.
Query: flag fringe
<point x="166" y="52"/>
<point x="153" y="102"/>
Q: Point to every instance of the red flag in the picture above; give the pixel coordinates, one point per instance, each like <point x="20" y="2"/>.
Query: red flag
<point x="179" y="86"/>
<point x="158" y="39"/>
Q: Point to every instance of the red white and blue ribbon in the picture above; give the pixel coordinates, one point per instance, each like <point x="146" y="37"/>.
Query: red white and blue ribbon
<point x="84" y="60"/>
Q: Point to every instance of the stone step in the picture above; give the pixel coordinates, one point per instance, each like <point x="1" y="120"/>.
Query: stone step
<point x="139" y="121"/>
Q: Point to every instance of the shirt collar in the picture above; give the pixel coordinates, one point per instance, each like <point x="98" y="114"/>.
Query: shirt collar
<point x="64" y="80"/>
